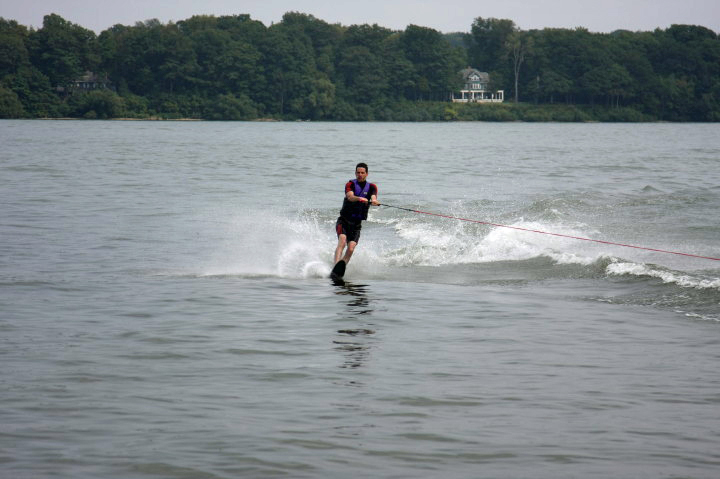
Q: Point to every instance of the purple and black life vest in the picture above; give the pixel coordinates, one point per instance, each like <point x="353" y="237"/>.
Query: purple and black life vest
<point x="356" y="211"/>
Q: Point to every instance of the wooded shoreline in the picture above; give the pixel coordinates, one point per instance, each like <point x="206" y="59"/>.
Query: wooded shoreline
<point x="303" y="68"/>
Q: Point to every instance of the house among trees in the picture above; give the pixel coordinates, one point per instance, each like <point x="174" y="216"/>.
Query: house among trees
<point x="476" y="88"/>
<point x="89" y="81"/>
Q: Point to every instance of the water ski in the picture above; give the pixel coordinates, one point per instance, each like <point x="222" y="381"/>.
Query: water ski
<point x="339" y="270"/>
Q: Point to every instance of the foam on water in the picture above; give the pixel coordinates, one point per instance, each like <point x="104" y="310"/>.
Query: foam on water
<point x="503" y="244"/>
<point x="674" y="277"/>
<point x="459" y="243"/>
<point x="266" y="243"/>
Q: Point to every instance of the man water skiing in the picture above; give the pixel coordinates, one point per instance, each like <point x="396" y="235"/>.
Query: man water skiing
<point x="359" y="195"/>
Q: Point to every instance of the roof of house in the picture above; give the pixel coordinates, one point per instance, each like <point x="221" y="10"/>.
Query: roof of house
<point x="92" y="77"/>
<point x="483" y="76"/>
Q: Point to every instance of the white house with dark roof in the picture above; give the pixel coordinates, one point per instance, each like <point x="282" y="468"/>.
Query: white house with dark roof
<point x="476" y="88"/>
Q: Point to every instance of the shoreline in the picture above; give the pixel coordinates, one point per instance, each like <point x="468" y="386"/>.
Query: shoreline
<point x="151" y="118"/>
<point x="273" y="120"/>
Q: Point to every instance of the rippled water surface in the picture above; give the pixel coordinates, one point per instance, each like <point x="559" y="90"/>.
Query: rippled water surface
<point x="165" y="309"/>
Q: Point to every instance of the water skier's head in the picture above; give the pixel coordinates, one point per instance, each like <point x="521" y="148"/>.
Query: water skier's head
<point x="361" y="172"/>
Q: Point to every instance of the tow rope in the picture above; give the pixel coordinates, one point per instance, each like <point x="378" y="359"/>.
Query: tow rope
<point x="549" y="233"/>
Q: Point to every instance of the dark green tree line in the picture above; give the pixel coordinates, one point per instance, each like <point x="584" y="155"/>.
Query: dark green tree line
<point x="670" y="74"/>
<point x="234" y="67"/>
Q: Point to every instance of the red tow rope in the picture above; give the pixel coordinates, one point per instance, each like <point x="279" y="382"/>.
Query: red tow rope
<point x="551" y="234"/>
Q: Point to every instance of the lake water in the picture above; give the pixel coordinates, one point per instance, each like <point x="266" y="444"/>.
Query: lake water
<point x="165" y="310"/>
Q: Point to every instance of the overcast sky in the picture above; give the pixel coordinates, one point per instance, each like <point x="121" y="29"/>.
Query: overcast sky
<point x="443" y="15"/>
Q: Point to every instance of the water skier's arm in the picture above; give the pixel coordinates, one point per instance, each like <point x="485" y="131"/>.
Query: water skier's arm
<point x="350" y="195"/>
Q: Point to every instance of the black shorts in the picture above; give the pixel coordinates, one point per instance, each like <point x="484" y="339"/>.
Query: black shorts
<point x="350" y="230"/>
